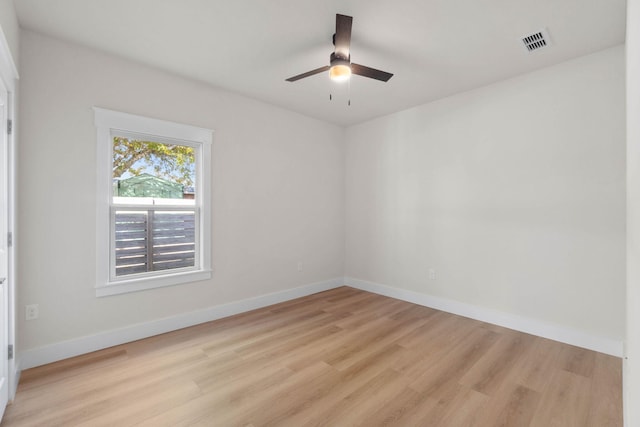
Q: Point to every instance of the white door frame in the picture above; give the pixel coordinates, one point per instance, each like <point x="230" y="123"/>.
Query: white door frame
<point x="9" y="76"/>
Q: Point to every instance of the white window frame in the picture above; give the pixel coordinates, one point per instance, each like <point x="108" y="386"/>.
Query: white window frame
<point x="108" y="123"/>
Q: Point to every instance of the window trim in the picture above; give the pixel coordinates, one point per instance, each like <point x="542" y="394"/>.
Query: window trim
<point x="108" y="122"/>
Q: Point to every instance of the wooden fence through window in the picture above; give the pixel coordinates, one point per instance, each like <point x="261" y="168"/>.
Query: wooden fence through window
<point x="152" y="240"/>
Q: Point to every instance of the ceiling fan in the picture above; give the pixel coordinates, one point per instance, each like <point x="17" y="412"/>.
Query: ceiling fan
<point x="340" y="66"/>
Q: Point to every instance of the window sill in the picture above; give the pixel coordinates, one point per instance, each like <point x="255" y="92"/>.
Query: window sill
<point x="141" y="284"/>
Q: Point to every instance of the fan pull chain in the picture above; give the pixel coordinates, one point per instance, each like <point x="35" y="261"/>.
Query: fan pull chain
<point x="349" y="92"/>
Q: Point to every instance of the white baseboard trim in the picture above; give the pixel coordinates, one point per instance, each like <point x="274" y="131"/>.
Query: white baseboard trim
<point x="512" y="321"/>
<point x="14" y="372"/>
<point x="75" y="347"/>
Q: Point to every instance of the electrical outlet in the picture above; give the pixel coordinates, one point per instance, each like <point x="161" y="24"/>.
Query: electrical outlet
<point x="31" y="311"/>
<point x="300" y="265"/>
<point x="432" y="274"/>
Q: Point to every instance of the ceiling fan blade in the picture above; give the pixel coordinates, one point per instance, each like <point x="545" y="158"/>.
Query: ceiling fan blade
<point x="342" y="38"/>
<point x="308" y="73"/>
<point x="372" y="73"/>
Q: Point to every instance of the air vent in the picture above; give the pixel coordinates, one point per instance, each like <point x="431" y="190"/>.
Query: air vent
<point x="536" y="41"/>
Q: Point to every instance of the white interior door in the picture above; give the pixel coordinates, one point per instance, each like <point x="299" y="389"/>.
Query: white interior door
<point x="4" y="254"/>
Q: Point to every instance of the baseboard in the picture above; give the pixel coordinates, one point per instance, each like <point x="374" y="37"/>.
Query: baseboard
<point x="75" y="347"/>
<point x="15" y="380"/>
<point x="512" y="321"/>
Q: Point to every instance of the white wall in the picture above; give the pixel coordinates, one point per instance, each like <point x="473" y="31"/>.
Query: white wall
<point x="632" y="362"/>
<point x="278" y="192"/>
<point x="9" y="27"/>
<point x="514" y="193"/>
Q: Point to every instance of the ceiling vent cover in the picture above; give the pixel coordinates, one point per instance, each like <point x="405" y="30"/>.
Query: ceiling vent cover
<point x="536" y="41"/>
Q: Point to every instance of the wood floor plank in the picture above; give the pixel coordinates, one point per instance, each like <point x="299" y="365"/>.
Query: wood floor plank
<point x="113" y="381"/>
<point x="453" y="366"/>
<point x="394" y="411"/>
<point x="605" y="406"/>
<point x="370" y="343"/>
<point x="340" y="357"/>
<point x="296" y="396"/>
<point x="513" y="405"/>
<point x="566" y="402"/>
<point x="580" y="361"/>
<point x="462" y="410"/>
<point x="363" y="400"/>
<point x="76" y="366"/>
<point x="441" y="407"/>
<point x="496" y="364"/>
<point x="535" y="368"/>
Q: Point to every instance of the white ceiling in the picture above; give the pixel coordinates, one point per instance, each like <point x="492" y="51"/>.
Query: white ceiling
<point x="435" y="48"/>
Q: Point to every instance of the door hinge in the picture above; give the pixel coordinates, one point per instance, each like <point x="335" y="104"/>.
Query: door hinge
<point x="10" y="351"/>
<point x="9" y="239"/>
<point x="9" y="127"/>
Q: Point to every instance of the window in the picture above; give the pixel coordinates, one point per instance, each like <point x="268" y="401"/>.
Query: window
<point x="153" y="209"/>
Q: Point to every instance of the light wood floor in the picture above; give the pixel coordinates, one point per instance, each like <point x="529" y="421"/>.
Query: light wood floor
<point x="337" y="358"/>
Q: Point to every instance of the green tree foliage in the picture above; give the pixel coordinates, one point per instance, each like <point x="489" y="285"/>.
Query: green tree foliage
<point x="172" y="162"/>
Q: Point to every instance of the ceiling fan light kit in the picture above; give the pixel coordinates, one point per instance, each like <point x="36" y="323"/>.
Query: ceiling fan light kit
<point x="340" y="73"/>
<point x="340" y="70"/>
<point x="340" y="66"/>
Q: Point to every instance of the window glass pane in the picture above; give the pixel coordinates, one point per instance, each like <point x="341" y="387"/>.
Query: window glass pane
<point x="150" y="172"/>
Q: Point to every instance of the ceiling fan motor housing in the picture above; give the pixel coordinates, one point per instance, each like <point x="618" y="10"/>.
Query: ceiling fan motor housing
<point x="338" y="60"/>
